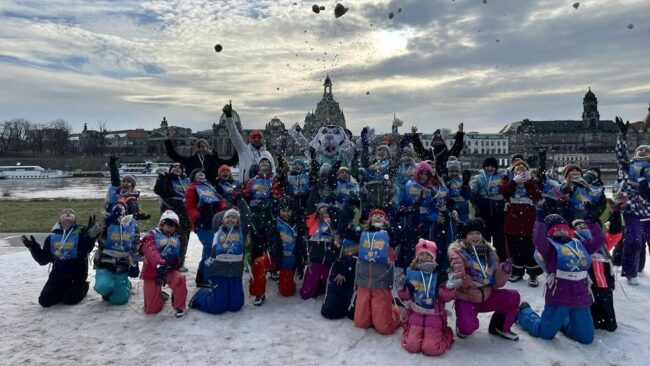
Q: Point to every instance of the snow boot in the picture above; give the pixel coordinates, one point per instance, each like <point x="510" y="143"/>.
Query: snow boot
<point x="259" y="300"/>
<point x="461" y="335"/>
<point x="634" y="281"/>
<point x="496" y="322"/>
<point x="515" y="278"/>
<point x="507" y="335"/>
<point x="164" y="295"/>
<point x="182" y="312"/>
<point x="532" y="281"/>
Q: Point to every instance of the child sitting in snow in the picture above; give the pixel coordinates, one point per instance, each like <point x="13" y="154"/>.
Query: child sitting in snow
<point x="161" y="249"/>
<point x="478" y="278"/>
<point x="225" y="266"/>
<point x="116" y="257"/>
<point x="425" y="328"/>
<point x="567" y="261"/>
<point x="67" y="248"/>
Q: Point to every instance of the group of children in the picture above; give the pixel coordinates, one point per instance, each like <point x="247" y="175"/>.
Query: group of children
<point x="388" y="243"/>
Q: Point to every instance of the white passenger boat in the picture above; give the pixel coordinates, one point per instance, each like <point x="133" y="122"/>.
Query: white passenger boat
<point x="31" y="172"/>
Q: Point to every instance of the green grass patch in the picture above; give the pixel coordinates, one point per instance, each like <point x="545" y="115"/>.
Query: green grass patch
<point x="38" y="216"/>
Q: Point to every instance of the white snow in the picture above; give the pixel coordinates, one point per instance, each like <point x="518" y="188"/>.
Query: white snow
<point x="285" y="331"/>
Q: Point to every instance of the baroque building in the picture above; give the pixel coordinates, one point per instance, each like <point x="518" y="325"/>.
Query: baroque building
<point x="327" y="112"/>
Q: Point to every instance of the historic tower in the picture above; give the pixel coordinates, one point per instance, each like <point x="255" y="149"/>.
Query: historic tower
<point x="327" y="112"/>
<point x="590" y="115"/>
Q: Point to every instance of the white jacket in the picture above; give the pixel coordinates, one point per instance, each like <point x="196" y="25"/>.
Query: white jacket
<point x="248" y="155"/>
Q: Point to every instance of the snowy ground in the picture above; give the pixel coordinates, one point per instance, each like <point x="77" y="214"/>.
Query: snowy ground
<point x="285" y="331"/>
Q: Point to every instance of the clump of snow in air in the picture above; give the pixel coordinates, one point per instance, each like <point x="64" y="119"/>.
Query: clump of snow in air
<point x="340" y="10"/>
<point x="576" y="5"/>
<point x="218" y="48"/>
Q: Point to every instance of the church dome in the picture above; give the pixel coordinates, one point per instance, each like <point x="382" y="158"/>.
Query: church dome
<point x="590" y="95"/>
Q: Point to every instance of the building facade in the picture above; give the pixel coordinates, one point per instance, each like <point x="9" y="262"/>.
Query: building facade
<point x="328" y="112"/>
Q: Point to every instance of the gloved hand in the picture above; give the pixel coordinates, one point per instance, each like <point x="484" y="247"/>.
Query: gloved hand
<point x="521" y="178"/>
<point x="507" y="266"/>
<point x="30" y="243"/>
<point x="364" y="137"/>
<point x="92" y="220"/>
<point x="134" y="271"/>
<point x="312" y="153"/>
<point x="467" y="176"/>
<point x="622" y="126"/>
<point x="227" y="110"/>
<point x="161" y="274"/>
<point x="141" y="216"/>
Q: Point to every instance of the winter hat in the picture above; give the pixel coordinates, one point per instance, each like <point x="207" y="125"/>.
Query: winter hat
<point x="472" y="225"/>
<point x="172" y="165"/>
<point x="408" y="152"/>
<point x="343" y="169"/>
<point x="285" y="202"/>
<point x="169" y="215"/>
<point x="231" y="213"/>
<point x="255" y="133"/>
<point x="324" y="170"/>
<point x="377" y="212"/>
<point x="299" y="162"/>
<point x="386" y="148"/>
<point x="131" y="179"/>
<point x="577" y="222"/>
<point x="491" y="161"/>
<point x="642" y="152"/>
<point x="453" y="165"/>
<point x="518" y="162"/>
<point x="516" y="156"/>
<point x="569" y="168"/>
<point x="426" y="246"/>
<point x="319" y="206"/>
<point x="554" y="222"/>
<point x="222" y="168"/>
<point x="202" y="141"/>
<point x="68" y="221"/>
<point x="194" y="172"/>
<point x="437" y="135"/>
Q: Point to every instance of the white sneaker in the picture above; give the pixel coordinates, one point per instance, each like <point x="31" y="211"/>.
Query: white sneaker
<point x="182" y="313"/>
<point x="634" y="281"/>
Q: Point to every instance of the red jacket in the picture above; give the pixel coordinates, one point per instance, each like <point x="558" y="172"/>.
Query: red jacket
<point x="519" y="218"/>
<point x="192" y="204"/>
<point x="151" y="255"/>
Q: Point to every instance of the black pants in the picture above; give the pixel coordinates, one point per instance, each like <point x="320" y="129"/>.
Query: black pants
<point x="494" y="228"/>
<point x="602" y="309"/>
<point x="67" y="291"/>
<point x="184" y="238"/>
<point x="338" y="299"/>
<point x="522" y="253"/>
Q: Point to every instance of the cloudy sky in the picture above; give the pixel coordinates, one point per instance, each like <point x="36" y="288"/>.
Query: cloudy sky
<point x="434" y="64"/>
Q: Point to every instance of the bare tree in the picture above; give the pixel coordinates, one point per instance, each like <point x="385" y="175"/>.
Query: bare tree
<point x="60" y="130"/>
<point x="36" y="136"/>
<point x="102" y="128"/>
<point x="14" y="134"/>
<point x="5" y="136"/>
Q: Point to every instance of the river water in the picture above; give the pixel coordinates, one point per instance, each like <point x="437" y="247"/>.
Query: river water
<point x="19" y="189"/>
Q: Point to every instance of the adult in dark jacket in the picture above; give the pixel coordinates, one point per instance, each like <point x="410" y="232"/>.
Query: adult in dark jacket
<point x="201" y="159"/>
<point x="438" y="151"/>
<point x="170" y="187"/>
<point x="66" y="248"/>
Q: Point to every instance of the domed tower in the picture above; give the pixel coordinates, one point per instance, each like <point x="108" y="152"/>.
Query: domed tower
<point x="590" y="115"/>
<point x="328" y="112"/>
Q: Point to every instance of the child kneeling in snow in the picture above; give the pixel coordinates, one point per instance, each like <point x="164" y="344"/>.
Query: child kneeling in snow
<point x="426" y="326"/>
<point x="373" y="305"/>
<point x="161" y="250"/>
<point x="567" y="262"/>
<point x="479" y="277"/>
<point x="225" y="268"/>
<point x="66" y="248"/>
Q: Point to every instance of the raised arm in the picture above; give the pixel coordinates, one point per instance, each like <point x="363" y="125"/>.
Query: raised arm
<point x="457" y="147"/>
<point x="621" y="145"/>
<point x="171" y="152"/>
<point x="419" y="149"/>
<point x="115" y="173"/>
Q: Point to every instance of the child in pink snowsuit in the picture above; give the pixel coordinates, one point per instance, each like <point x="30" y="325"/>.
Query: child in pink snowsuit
<point x="373" y="305"/>
<point x="425" y="328"/>
<point x="478" y="277"/>
<point x="161" y="250"/>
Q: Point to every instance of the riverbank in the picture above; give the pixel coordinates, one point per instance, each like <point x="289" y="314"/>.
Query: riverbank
<point x="38" y="216"/>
